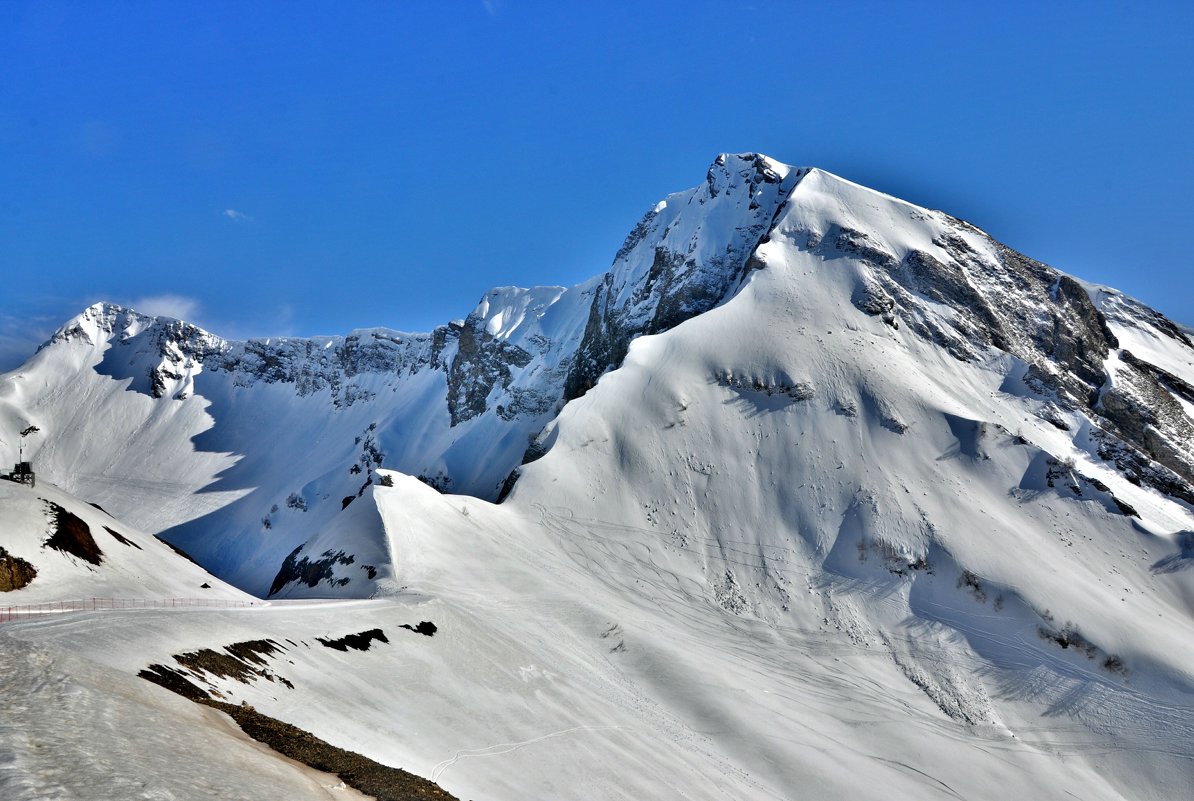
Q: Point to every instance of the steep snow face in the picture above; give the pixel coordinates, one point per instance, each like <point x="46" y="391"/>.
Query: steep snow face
<point x="864" y="445"/>
<point x="956" y="287"/>
<point x="846" y="477"/>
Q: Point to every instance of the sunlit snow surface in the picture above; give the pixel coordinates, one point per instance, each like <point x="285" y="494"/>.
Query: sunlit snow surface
<point x="786" y="551"/>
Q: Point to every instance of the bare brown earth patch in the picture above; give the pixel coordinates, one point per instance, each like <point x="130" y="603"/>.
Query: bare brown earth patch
<point x="359" y="772"/>
<point x="72" y="536"/>
<point x="175" y="681"/>
<point x="242" y="661"/>
<point x="372" y="778"/>
<point x="15" y="572"/>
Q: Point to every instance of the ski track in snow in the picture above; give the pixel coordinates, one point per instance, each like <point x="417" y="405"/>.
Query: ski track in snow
<point x="505" y="748"/>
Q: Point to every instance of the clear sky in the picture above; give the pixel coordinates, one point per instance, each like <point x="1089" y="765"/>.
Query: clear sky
<point x="307" y="168"/>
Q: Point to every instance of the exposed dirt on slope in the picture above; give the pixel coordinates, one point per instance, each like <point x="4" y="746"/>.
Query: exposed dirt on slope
<point x="179" y="551"/>
<point x="15" y="572"/>
<point x="175" y="681"/>
<point x="372" y="778"/>
<point x="243" y="661"/>
<point x="73" y="536"/>
<point x="359" y="772"/>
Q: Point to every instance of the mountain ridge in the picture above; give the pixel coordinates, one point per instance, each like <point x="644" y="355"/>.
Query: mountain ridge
<point x="521" y="354"/>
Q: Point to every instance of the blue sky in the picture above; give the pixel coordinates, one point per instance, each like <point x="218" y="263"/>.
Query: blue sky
<point x="308" y="168"/>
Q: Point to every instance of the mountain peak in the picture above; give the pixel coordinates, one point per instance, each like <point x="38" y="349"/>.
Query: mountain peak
<point x="102" y="320"/>
<point x="730" y="170"/>
<point x="92" y="324"/>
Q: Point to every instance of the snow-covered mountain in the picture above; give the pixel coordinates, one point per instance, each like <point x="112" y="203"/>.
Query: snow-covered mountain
<point x="814" y="493"/>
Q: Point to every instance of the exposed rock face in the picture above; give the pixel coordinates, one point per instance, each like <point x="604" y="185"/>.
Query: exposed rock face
<point x="1079" y="340"/>
<point x="329" y="363"/>
<point x="164" y="356"/>
<point x="482" y="362"/>
<point x="1001" y="299"/>
<point x="691" y="265"/>
<point x="998" y="298"/>
<point x="311" y="572"/>
<point x="15" y="572"/>
<point x="869" y="297"/>
<point x="859" y="244"/>
<point x="1141" y="410"/>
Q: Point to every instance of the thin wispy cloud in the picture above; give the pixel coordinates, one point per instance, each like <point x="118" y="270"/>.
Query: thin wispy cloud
<point x="491" y="7"/>
<point x="20" y="338"/>
<point x="237" y="216"/>
<point x="179" y="307"/>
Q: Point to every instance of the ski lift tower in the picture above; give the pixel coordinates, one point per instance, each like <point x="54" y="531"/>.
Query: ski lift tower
<point x="23" y="471"/>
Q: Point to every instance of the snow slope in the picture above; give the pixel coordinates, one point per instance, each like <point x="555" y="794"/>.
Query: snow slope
<point x="72" y="728"/>
<point x="846" y="477"/>
<point x="548" y="679"/>
<point x="868" y="506"/>
<point x="107" y="559"/>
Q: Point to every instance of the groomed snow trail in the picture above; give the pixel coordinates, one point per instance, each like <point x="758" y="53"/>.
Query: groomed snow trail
<point x="505" y="748"/>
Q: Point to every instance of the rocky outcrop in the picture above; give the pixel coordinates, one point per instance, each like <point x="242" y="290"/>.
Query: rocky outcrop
<point x="1077" y="342"/>
<point x="311" y="572"/>
<point x="1140" y="411"/>
<point x="15" y="572"/>
<point x="982" y="295"/>
<point x="997" y="298"/>
<point x="481" y="364"/>
<point x="674" y="266"/>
